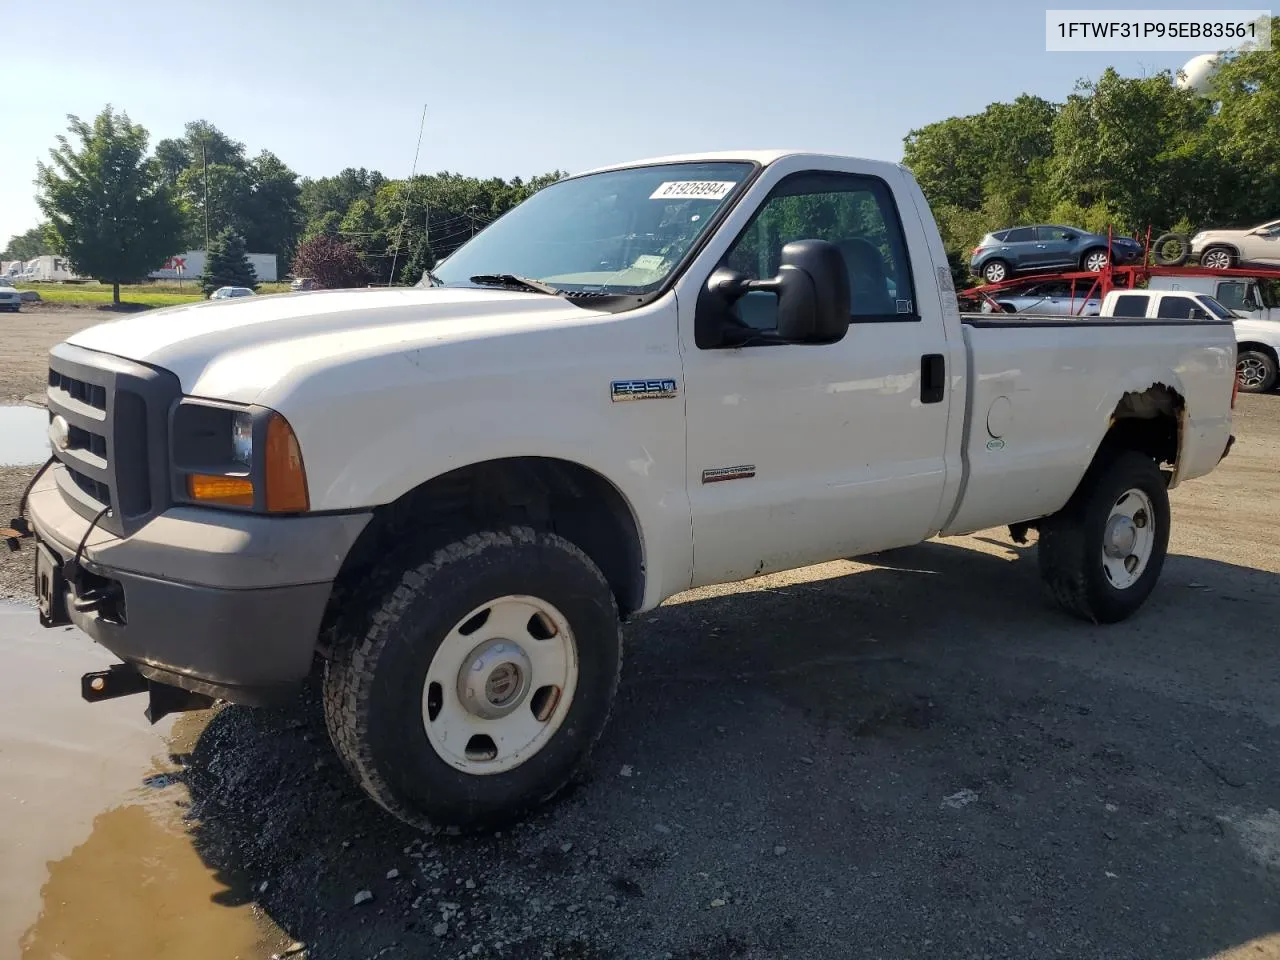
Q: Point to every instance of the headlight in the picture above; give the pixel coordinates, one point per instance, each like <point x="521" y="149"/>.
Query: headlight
<point x="230" y="455"/>
<point x="242" y="438"/>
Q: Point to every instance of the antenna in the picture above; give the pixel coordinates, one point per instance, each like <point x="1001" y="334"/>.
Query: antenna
<point x="407" y="184"/>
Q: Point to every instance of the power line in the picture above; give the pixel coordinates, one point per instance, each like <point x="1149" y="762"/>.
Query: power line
<point x="412" y="173"/>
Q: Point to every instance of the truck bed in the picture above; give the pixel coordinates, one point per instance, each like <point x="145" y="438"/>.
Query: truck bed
<point x="1042" y="389"/>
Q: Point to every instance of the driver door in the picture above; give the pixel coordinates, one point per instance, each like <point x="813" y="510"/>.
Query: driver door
<point x="800" y="453"/>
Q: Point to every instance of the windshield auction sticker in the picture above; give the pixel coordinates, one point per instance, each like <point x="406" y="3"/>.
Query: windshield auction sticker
<point x="693" y="190"/>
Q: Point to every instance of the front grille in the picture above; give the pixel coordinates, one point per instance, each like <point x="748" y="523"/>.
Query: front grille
<point x="116" y="450"/>
<point x="93" y="394"/>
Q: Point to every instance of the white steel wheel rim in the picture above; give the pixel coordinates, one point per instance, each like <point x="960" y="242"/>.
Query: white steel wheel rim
<point x="995" y="272"/>
<point x="1217" y="260"/>
<point x="500" y="684"/>
<point x="1095" y="261"/>
<point x="1128" y="539"/>
<point x="1251" y="372"/>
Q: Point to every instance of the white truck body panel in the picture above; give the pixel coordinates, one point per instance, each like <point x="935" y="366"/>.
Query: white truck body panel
<point x="387" y="389"/>
<point x="48" y="268"/>
<point x="190" y="264"/>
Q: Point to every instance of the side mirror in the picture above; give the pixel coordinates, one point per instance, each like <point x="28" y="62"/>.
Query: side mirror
<point x="812" y="287"/>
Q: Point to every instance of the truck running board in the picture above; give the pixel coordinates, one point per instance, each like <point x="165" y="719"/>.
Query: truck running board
<point x="123" y="680"/>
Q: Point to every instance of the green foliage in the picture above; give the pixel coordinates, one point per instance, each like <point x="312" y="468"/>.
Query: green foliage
<point x="36" y="242"/>
<point x="1129" y="153"/>
<point x="114" y="218"/>
<point x="331" y="263"/>
<point x="227" y="264"/>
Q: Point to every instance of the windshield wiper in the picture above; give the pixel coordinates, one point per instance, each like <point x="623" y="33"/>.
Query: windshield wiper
<point x="511" y="280"/>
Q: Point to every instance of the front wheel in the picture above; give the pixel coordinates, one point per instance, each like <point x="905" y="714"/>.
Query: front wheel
<point x="1101" y="555"/>
<point x="1095" y="261"/>
<point x="478" y="685"/>
<point x="1217" y="258"/>
<point x="1255" y="371"/>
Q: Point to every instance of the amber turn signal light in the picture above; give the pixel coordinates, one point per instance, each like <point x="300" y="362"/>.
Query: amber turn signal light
<point x="208" y="488"/>
<point x="286" y="477"/>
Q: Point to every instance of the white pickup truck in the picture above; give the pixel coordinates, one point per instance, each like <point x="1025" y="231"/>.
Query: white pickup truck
<point x="645" y="378"/>
<point x="1256" y="321"/>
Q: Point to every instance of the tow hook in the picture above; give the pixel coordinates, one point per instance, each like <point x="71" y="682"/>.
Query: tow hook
<point x="124" y="679"/>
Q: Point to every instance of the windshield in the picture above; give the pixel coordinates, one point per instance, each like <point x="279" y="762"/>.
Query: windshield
<point x="618" y="232"/>
<point x="1217" y="309"/>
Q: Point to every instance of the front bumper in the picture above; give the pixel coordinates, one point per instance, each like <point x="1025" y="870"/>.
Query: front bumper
<point x="220" y="603"/>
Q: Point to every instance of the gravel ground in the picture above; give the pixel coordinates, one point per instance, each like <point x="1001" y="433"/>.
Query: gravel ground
<point x="910" y="755"/>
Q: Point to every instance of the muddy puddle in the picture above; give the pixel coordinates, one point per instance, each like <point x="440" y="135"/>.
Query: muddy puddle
<point x="98" y="862"/>
<point x="24" y="435"/>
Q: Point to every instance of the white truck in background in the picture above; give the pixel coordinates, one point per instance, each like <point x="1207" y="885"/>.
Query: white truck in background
<point x="645" y="378"/>
<point x="1257" y="339"/>
<point x="190" y="264"/>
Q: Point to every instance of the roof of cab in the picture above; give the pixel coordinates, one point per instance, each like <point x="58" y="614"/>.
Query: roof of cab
<point x="762" y="157"/>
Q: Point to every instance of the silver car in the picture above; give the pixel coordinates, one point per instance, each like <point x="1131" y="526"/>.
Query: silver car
<point x="226" y="293"/>
<point x="10" y="299"/>
<point x="1052" y="298"/>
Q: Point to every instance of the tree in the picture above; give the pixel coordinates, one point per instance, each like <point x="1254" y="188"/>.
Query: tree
<point x="331" y="263"/>
<point x="227" y="264"/>
<point x="113" y="217"/>
<point x="27" y="246"/>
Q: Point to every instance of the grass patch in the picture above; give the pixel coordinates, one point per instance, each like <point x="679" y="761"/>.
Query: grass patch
<point x="167" y="293"/>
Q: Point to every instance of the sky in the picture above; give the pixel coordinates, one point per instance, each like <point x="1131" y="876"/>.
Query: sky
<point x="517" y="88"/>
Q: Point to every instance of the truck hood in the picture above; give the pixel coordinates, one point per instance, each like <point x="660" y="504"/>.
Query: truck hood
<point x="236" y="349"/>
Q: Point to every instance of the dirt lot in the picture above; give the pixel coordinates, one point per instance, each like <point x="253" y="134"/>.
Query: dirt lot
<point x="910" y="755"/>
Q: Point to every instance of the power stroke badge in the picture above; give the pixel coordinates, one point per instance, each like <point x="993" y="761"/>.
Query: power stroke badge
<point x="663" y="387"/>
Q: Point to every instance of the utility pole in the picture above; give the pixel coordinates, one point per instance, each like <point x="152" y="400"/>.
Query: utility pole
<point x="204" y="159"/>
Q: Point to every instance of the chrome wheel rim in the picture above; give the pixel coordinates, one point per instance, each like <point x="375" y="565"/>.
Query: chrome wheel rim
<point x="1128" y="539"/>
<point x="500" y="684"/>
<point x="994" y="272"/>
<point x="1251" y="372"/>
<point x="1095" y="262"/>
<point x="1216" y="260"/>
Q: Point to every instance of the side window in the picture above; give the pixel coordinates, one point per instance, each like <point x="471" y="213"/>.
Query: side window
<point x="1176" y="308"/>
<point x="1131" y="305"/>
<point x="1053" y="233"/>
<point x="858" y="215"/>
<point x="1233" y="295"/>
<point x="1021" y="235"/>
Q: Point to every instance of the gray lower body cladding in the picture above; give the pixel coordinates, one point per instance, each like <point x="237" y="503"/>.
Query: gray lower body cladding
<point x="228" y="605"/>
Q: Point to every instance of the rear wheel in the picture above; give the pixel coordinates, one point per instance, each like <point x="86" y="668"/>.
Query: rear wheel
<point x="1217" y="258"/>
<point x="1101" y="555"/>
<point x="477" y="686"/>
<point x="1255" y="371"/>
<point x="996" y="271"/>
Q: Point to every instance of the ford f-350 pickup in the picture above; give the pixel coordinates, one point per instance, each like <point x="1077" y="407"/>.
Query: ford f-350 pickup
<point x="642" y="379"/>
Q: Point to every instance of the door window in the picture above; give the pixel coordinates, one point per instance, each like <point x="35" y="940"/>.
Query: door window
<point x="1044" y="234"/>
<point x="1131" y="305"/>
<point x="1180" y="308"/>
<point x="858" y="215"/>
<point x="1021" y="235"/>
<point x="1234" y="295"/>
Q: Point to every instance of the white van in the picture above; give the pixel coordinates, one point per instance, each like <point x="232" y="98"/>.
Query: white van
<point x="1242" y="295"/>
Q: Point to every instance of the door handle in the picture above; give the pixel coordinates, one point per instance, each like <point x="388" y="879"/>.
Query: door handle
<point x="933" y="378"/>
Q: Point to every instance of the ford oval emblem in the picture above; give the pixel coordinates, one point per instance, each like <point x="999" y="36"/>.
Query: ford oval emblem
<point x="59" y="433"/>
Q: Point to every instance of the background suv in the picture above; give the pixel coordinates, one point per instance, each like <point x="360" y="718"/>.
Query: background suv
<point x="1002" y="253"/>
<point x="1223" y="249"/>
